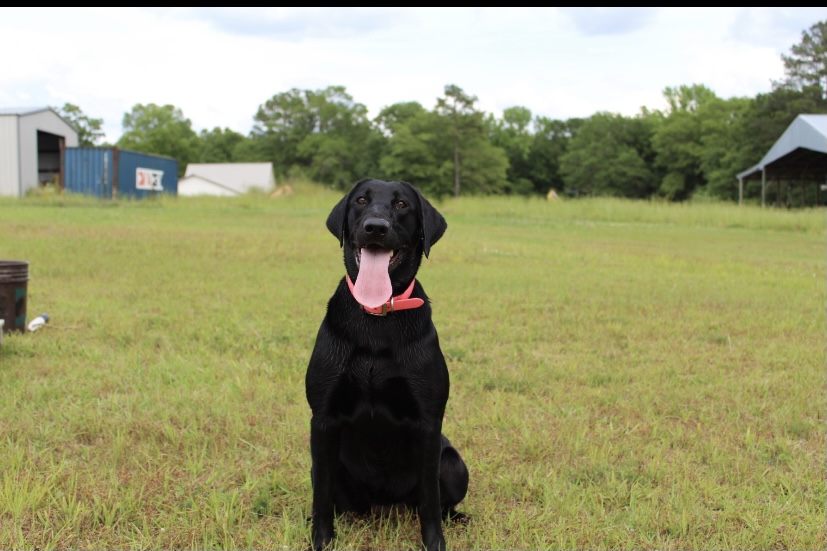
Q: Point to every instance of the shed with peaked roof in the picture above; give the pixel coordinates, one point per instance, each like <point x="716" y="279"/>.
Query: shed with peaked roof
<point x="32" y="140"/>
<point x="799" y="155"/>
<point x="226" y="178"/>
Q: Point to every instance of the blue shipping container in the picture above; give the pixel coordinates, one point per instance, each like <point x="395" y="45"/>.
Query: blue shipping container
<point x="113" y="172"/>
<point x="88" y="171"/>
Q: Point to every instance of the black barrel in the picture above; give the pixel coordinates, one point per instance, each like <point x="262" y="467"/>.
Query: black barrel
<point x="14" y="278"/>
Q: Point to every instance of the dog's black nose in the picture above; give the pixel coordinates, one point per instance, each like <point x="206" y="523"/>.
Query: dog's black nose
<point x="376" y="227"/>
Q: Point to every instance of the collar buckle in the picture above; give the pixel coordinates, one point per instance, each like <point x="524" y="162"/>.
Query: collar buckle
<point x="385" y="310"/>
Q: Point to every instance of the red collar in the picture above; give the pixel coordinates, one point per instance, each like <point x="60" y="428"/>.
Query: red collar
<point x="399" y="302"/>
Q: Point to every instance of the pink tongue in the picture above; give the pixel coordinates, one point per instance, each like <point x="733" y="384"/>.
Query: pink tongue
<point x="373" y="284"/>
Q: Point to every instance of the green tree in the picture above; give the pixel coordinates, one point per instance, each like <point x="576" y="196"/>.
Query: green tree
<point x="677" y="140"/>
<point x="221" y="146"/>
<point x="512" y="133"/>
<point x="418" y="148"/>
<point x="281" y="124"/>
<point x="722" y="145"/>
<point x="482" y="165"/>
<point x="807" y="63"/>
<point x="399" y="113"/>
<point x="485" y="167"/>
<point x="251" y="150"/>
<point x="607" y="157"/>
<point x="549" y="143"/>
<point x="160" y="130"/>
<point x="687" y="99"/>
<point x="322" y="133"/>
<point x="431" y="149"/>
<point x="89" y="129"/>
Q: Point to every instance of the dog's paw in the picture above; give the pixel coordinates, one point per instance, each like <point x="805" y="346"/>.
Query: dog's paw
<point x="322" y="543"/>
<point x="322" y="534"/>
<point x="456" y="517"/>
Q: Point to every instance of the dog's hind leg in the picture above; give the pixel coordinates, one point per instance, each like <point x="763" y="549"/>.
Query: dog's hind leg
<point x="453" y="481"/>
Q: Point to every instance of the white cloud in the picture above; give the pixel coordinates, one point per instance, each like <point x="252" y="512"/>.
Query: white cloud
<point x="610" y="20"/>
<point x="219" y="64"/>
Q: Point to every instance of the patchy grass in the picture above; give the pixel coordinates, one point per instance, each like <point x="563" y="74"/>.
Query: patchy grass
<point x="624" y="374"/>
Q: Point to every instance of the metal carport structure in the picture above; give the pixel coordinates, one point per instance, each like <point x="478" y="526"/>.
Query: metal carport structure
<point x="800" y="154"/>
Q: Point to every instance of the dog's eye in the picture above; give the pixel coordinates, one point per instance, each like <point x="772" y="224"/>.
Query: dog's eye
<point x="401" y="205"/>
<point x="361" y="200"/>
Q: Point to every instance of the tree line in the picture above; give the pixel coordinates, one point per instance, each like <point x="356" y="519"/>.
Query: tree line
<point x="696" y="145"/>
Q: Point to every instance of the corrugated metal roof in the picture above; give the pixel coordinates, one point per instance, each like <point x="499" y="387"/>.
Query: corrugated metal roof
<point x="22" y="110"/>
<point x="806" y="131"/>
<point x="240" y="177"/>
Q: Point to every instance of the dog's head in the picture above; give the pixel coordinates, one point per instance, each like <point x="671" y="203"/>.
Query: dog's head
<point x="385" y="226"/>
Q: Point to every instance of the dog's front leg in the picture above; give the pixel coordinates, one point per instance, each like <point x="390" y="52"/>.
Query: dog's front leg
<point x="430" y="511"/>
<point x="324" y="452"/>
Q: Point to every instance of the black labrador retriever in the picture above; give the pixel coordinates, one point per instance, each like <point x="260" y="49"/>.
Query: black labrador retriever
<point x="377" y="382"/>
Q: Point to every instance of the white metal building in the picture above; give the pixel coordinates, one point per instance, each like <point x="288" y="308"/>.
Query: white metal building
<point x="226" y="178"/>
<point x="800" y="154"/>
<point x="31" y="141"/>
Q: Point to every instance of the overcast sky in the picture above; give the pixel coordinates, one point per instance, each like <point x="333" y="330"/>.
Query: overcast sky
<point x="219" y="64"/>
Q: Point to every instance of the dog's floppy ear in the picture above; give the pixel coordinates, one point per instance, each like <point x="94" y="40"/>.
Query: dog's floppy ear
<point x="337" y="220"/>
<point x="431" y="222"/>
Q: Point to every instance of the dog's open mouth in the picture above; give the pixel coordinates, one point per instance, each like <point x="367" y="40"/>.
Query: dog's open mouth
<point x="372" y="287"/>
<point x="396" y="255"/>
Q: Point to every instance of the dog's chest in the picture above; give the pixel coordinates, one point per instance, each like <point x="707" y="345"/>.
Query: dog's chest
<point x="372" y="385"/>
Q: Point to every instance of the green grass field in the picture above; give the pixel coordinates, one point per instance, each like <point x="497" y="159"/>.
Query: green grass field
<point x="624" y="374"/>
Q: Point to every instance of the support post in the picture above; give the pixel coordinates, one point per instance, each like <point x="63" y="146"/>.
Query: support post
<point x="61" y="142"/>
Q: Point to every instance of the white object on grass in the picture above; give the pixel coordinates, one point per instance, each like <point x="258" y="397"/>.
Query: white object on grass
<point x="38" y="322"/>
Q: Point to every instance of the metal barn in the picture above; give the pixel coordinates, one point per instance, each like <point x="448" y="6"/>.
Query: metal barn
<point x="800" y="156"/>
<point x="32" y="141"/>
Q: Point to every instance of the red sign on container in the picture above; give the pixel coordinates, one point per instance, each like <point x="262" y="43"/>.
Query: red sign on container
<point x="148" y="179"/>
